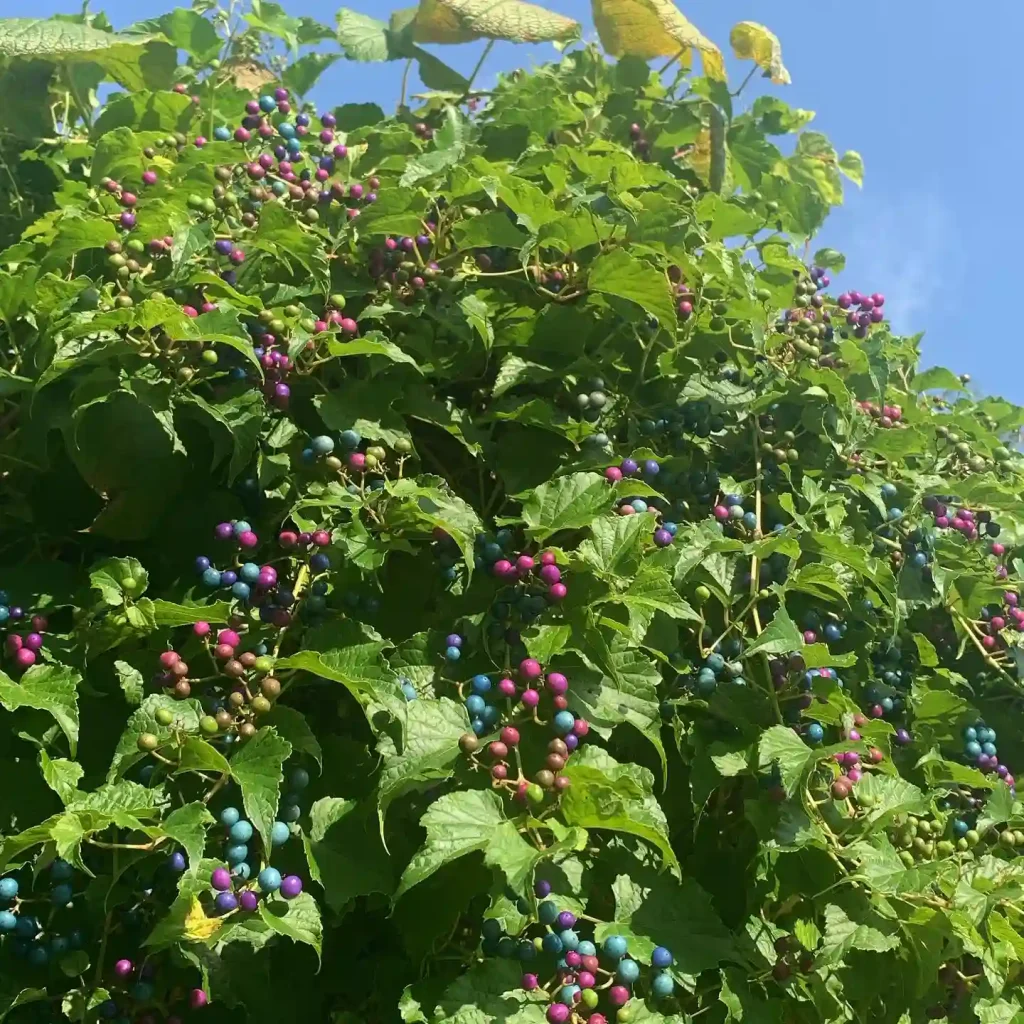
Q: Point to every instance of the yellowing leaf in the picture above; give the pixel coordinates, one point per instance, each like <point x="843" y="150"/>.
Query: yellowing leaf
<point x="461" y="21"/>
<point x="652" y="28"/>
<point x="751" y="41"/>
<point x="197" y="925"/>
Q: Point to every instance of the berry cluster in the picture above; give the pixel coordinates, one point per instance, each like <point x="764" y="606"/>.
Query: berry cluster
<point x="507" y="707"/>
<point x="584" y="973"/>
<point x="22" y="648"/>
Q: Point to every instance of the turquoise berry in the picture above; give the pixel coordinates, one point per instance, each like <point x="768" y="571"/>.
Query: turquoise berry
<point x="229" y="816"/>
<point x="615" y="946"/>
<point x="662" y="985"/>
<point x="290" y="812"/>
<point x="269" y="880"/>
<point x="475" y="704"/>
<point x="240" y="832"/>
<point x="241" y="870"/>
<point x="322" y="445"/>
<point x="240" y="526"/>
<point x="453" y="653"/>
<point x="250" y="572"/>
<point x="563" y="722"/>
<point x="60" y="894"/>
<point x="350" y="439"/>
<point x="628" y="971"/>
<point x="547" y="912"/>
<point x="715" y="662"/>
<point x="8" y="921"/>
<point x="409" y="691"/>
<point x="570" y="940"/>
<point x="211" y="577"/>
<point x="236" y="853"/>
<point x="279" y="833"/>
<point x="639" y="505"/>
<point x="552" y="944"/>
<point x="8" y="888"/>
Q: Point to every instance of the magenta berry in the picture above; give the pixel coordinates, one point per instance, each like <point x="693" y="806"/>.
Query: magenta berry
<point x="529" y="669"/>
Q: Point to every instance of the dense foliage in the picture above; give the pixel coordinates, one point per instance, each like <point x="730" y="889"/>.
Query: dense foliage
<point x="473" y="565"/>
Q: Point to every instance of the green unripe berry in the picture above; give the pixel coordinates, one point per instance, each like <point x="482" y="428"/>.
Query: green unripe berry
<point x="702" y="593"/>
<point x="337" y="300"/>
<point x="292" y="310"/>
<point x="208" y="724"/>
<point x="147" y="742"/>
<point x="209" y="356"/>
<point x="403" y="446"/>
<point x="276" y="326"/>
<point x="260" y="704"/>
<point x="534" y="793"/>
<point x="164" y="716"/>
<point x="263" y="664"/>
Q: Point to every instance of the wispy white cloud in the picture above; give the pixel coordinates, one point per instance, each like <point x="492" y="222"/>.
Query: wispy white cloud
<point x="906" y="246"/>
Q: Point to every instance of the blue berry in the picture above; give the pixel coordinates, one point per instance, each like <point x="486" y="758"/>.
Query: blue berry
<point x="322" y="445"/>
<point x="38" y="956"/>
<point x="319" y="562"/>
<point x="661" y="957"/>
<point x="228" y="578"/>
<point x="176" y="862"/>
<point x="542" y="888"/>
<point x="815" y="733"/>
<point x="481" y="684"/>
<point x="552" y="944"/>
<point x="202" y="564"/>
<point x="240" y="590"/>
<point x="8" y="888"/>
<point x="568" y="994"/>
<point x="60" y="895"/>
<point x="229" y="816"/>
<point x="889" y="491"/>
<point x="350" y="439"/>
<point x="289" y="812"/>
<point x="226" y="901"/>
<point x="7" y="921"/>
<point x="832" y="632"/>
<point x="222" y="133"/>
<point x="279" y="833"/>
<point x="5" y="613"/>
<point x="409" y="691"/>
<point x="298" y="778"/>
<point x="241" y="870"/>
<point x="475" y="705"/>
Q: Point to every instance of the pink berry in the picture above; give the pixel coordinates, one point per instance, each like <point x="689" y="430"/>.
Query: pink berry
<point x="201" y="628"/>
<point x="547" y="558"/>
<point x="13" y="643"/>
<point x="550" y="574"/>
<point x="581" y="727"/>
<point x="510" y="736"/>
<point x="530" y="698"/>
<point x="321" y="538"/>
<point x="721" y="513"/>
<point x="123" y="968"/>
<point x="618" y="995"/>
<point x="229" y="637"/>
<point x="613" y="474"/>
<point x="557" y="592"/>
<point x="524" y="563"/>
<point x="169" y="659"/>
<point x="507" y="688"/>
<point x="998" y="549"/>
<point x="1010" y="598"/>
<point x="197" y="999"/>
<point x="25" y="658"/>
<point x="39" y="623"/>
<point x="557" y="683"/>
<point x="529" y="669"/>
<point x="33" y="642"/>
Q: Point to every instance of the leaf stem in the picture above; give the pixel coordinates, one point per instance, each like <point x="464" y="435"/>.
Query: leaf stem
<point x="479" y="64"/>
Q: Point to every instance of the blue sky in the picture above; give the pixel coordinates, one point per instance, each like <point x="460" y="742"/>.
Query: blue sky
<point x="936" y="227"/>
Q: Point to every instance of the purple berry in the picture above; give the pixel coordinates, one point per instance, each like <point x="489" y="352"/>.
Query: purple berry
<point x="221" y="879"/>
<point x="291" y="886"/>
<point x="226" y="901"/>
<point x="628" y="467"/>
<point x="662" y="538"/>
<point x="566" y="919"/>
<point x="248" y="901"/>
<point x="542" y="888"/>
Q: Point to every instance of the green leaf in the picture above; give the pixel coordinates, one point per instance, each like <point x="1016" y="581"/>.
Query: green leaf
<point x="780" y="636"/>
<point x="257" y="768"/>
<point x="363" y="38"/>
<point x="187" y="30"/>
<point x="199" y="756"/>
<point x="461" y="823"/>
<point x="132" y="683"/>
<point x="298" y="919"/>
<point x="843" y="935"/>
<point x="187" y="826"/>
<point x="294" y="727"/>
<point x="567" y="503"/>
<point x="461" y="21"/>
<point x="61" y="775"/>
<point x="620" y="274"/>
<point x="186" y="719"/>
<point x="429" y="747"/>
<point x="655" y="909"/>
<point x="619" y="797"/>
<point x="781" y="746"/>
<point x="615" y="544"/>
<point x="50" y="688"/>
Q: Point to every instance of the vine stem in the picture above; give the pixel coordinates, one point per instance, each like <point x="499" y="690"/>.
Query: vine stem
<point x="969" y="629"/>
<point x="216" y="787"/>
<point x="755" y="569"/>
<point x="405" y="83"/>
<point x="479" y="65"/>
